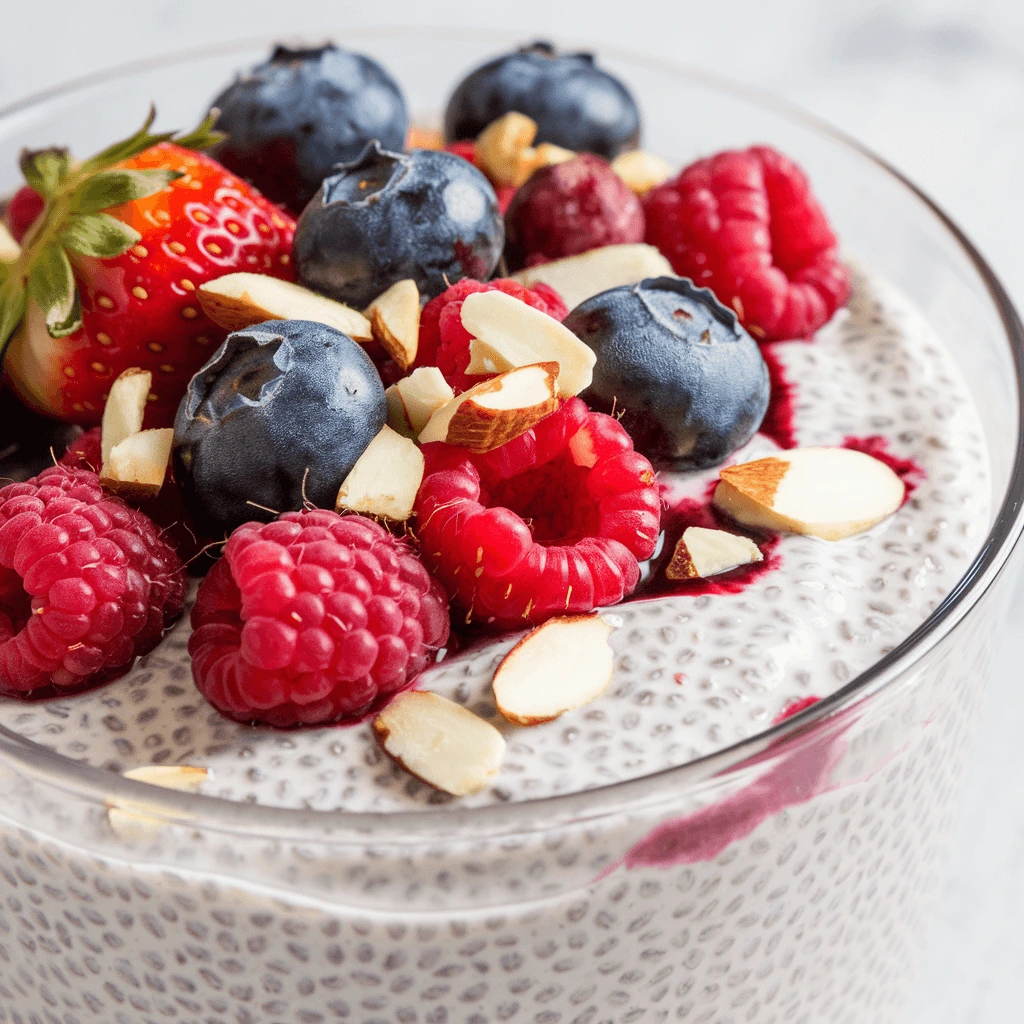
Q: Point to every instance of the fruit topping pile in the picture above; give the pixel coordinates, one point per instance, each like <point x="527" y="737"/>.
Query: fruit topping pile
<point x="443" y="396"/>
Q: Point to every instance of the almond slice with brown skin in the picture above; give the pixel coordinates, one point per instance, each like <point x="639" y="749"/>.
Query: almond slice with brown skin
<point x="830" y="493"/>
<point x="496" y="411"/>
<point x="385" y="478"/>
<point x="395" y="321"/>
<point x="701" y="553"/>
<point x="577" y="278"/>
<point x="519" y="335"/>
<point x="414" y="399"/>
<point x="137" y="465"/>
<point x="237" y="301"/>
<point x="561" y="665"/>
<point x="440" y="742"/>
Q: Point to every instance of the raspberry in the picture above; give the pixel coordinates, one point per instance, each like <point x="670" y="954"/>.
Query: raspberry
<point x="86" y="584"/>
<point x="444" y="342"/>
<point x="85" y="452"/>
<point x="553" y="522"/>
<point x="311" y="619"/>
<point x="746" y="225"/>
<point x="568" y="208"/>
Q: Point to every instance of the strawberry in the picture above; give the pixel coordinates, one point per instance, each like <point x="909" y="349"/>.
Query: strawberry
<point x="107" y="276"/>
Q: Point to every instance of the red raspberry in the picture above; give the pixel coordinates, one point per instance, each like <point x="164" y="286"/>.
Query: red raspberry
<point x="746" y="225"/>
<point x="568" y="208"/>
<point x="553" y="522"/>
<point x="444" y="342"/>
<point x="86" y="584"/>
<point x="311" y="619"/>
<point x="85" y="452"/>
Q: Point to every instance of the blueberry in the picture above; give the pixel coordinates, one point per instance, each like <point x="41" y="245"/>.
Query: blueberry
<point x="688" y="380"/>
<point x="575" y="103"/>
<point x="277" y="417"/>
<point x="426" y="215"/>
<point x="292" y="118"/>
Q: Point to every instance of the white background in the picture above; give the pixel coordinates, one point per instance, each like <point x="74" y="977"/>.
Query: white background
<point x="935" y="86"/>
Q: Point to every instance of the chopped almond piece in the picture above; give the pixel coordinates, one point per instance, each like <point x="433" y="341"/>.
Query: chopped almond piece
<point x="440" y="742"/>
<point x="137" y="821"/>
<point x="641" y="170"/>
<point x="395" y="321"/>
<point x="830" y="493"/>
<point x="137" y="465"/>
<point x="385" y="478"/>
<point x="9" y="248"/>
<point x="519" y="335"/>
<point x="496" y="411"/>
<point x="503" y="149"/>
<point x="414" y="399"/>
<point x="578" y="278"/>
<point x="701" y="553"/>
<point x="125" y="409"/>
<point x="237" y="301"/>
<point x="560" y="666"/>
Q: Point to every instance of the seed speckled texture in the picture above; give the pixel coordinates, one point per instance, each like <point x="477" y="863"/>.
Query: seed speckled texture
<point x="828" y="613"/>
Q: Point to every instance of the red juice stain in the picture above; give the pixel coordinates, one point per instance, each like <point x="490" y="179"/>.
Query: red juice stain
<point x="681" y="513"/>
<point x="779" y="420"/>
<point x="794" y="707"/>
<point x="910" y="472"/>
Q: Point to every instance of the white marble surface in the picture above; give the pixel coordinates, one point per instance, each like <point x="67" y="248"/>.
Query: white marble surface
<point x="936" y="86"/>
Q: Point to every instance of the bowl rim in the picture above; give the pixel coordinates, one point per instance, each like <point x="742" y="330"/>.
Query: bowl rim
<point x="421" y="827"/>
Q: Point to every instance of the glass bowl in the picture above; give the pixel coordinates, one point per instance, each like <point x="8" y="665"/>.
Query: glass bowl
<point x="787" y="877"/>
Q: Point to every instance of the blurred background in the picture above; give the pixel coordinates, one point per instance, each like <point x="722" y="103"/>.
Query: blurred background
<point x="934" y="86"/>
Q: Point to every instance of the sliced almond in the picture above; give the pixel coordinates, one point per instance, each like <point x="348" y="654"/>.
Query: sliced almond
<point x="823" y="492"/>
<point x="137" y="821"/>
<point x="547" y="153"/>
<point x="701" y="553"/>
<point x="385" y="478"/>
<point x="641" y="170"/>
<point x="395" y="321"/>
<point x="503" y="149"/>
<point x="558" y="667"/>
<point x="124" y="411"/>
<point x="137" y="465"/>
<point x="520" y="335"/>
<point x="414" y="399"/>
<point x="577" y="278"/>
<point x="496" y="411"/>
<point x="9" y="248"/>
<point x="237" y="301"/>
<point x="440" y="742"/>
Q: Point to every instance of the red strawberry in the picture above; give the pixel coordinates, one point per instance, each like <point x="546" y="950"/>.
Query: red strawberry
<point x="108" y="290"/>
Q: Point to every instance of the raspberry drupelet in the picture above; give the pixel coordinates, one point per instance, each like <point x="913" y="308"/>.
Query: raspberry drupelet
<point x="86" y="584"/>
<point x="553" y="522"/>
<point x="444" y="342"/>
<point x="746" y="225"/>
<point x="313" y="618"/>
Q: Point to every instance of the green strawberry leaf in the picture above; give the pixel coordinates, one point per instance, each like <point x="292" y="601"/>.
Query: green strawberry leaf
<point x="98" y="234"/>
<point x="105" y="189"/>
<point x="12" y="307"/>
<point x="203" y="136"/>
<point x="45" y="169"/>
<point x="51" y="285"/>
<point x="142" y="140"/>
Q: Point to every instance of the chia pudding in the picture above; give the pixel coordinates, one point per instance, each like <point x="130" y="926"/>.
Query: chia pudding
<point x="788" y="891"/>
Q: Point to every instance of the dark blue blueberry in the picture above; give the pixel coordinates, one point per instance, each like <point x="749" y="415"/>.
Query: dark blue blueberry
<point x="277" y="417"/>
<point x="687" y="379"/>
<point x="426" y="215"/>
<point x="292" y="118"/>
<point x="574" y="102"/>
